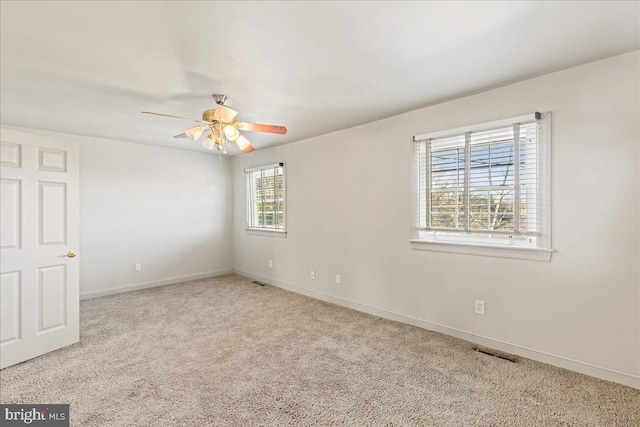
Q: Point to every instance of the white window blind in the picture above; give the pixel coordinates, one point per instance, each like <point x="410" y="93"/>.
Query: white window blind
<point x="485" y="184"/>
<point x="266" y="197"/>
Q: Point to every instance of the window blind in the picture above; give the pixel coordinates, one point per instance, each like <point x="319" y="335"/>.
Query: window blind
<point x="492" y="181"/>
<point x="266" y="197"/>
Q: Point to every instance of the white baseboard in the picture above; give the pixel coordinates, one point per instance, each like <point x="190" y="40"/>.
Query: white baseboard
<point x="171" y="281"/>
<point x="586" y="368"/>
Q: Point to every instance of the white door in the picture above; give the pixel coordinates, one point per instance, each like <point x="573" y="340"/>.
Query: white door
<point x="39" y="287"/>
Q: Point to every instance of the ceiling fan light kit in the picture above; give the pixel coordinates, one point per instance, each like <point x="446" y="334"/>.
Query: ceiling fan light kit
<point x="223" y="128"/>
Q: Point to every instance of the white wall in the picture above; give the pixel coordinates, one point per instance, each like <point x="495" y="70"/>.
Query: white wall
<point x="164" y="208"/>
<point x="349" y="214"/>
<point x="167" y="209"/>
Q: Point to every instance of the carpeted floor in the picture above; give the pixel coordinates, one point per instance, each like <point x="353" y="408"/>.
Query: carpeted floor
<point x="224" y="351"/>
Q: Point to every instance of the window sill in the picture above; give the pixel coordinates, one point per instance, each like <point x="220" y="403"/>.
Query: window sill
<point x="266" y="232"/>
<point x="514" y="252"/>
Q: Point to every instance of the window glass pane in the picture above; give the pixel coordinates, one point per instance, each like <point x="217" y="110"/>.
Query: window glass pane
<point x="491" y="165"/>
<point x="479" y="166"/>
<point x="269" y="206"/>
<point x="444" y="202"/>
<point x="443" y="220"/>
<point x="501" y="201"/>
<point x="447" y="168"/>
<point x="501" y="176"/>
<point x="448" y="202"/>
<point x="479" y="221"/>
<point x="501" y="163"/>
<point x="269" y="193"/>
<point x="479" y="201"/>
<point x="502" y="222"/>
<point x="269" y="219"/>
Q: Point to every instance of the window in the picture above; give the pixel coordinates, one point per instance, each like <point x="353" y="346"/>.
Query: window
<point x="266" y="197"/>
<point x="485" y="185"/>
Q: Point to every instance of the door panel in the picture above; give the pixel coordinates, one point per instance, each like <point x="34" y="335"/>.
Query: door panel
<point x="10" y="213"/>
<point x="9" y="154"/>
<point x="52" y="215"/>
<point x="10" y="306"/>
<point x="50" y="159"/>
<point x="52" y="304"/>
<point x="39" y="292"/>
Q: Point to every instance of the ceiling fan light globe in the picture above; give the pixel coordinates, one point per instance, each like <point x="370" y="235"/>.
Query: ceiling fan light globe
<point x="195" y="132"/>
<point x="208" y="142"/>
<point x="231" y="132"/>
<point x="242" y="142"/>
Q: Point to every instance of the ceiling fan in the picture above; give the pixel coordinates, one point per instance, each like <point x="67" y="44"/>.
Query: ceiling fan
<point x="222" y="127"/>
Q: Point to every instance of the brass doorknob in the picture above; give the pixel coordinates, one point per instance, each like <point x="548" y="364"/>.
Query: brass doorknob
<point x="70" y="254"/>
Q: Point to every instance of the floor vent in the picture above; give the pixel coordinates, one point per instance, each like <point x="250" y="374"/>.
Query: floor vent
<point x="257" y="282"/>
<point x="497" y="353"/>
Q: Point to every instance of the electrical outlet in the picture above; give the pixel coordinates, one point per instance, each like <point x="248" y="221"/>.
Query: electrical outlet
<point x="479" y="307"/>
<point x="338" y="279"/>
<point x="270" y="263"/>
<point x="137" y="267"/>
<point x="313" y="275"/>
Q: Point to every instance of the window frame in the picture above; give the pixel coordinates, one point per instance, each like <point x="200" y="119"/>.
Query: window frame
<point x="266" y="231"/>
<point x="487" y="243"/>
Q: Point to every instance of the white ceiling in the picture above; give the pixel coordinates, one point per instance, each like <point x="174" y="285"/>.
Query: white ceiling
<point x="90" y="68"/>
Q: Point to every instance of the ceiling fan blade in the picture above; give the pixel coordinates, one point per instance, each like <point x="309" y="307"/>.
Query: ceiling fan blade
<point x="225" y="114"/>
<point x="182" y="135"/>
<point x="257" y="127"/>
<point x="248" y="149"/>
<point x="177" y="117"/>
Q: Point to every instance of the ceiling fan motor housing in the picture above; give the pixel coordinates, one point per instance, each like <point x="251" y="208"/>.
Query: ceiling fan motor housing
<point x="207" y="115"/>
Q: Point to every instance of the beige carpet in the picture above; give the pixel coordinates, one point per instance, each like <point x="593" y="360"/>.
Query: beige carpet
<point x="224" y="351"/>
